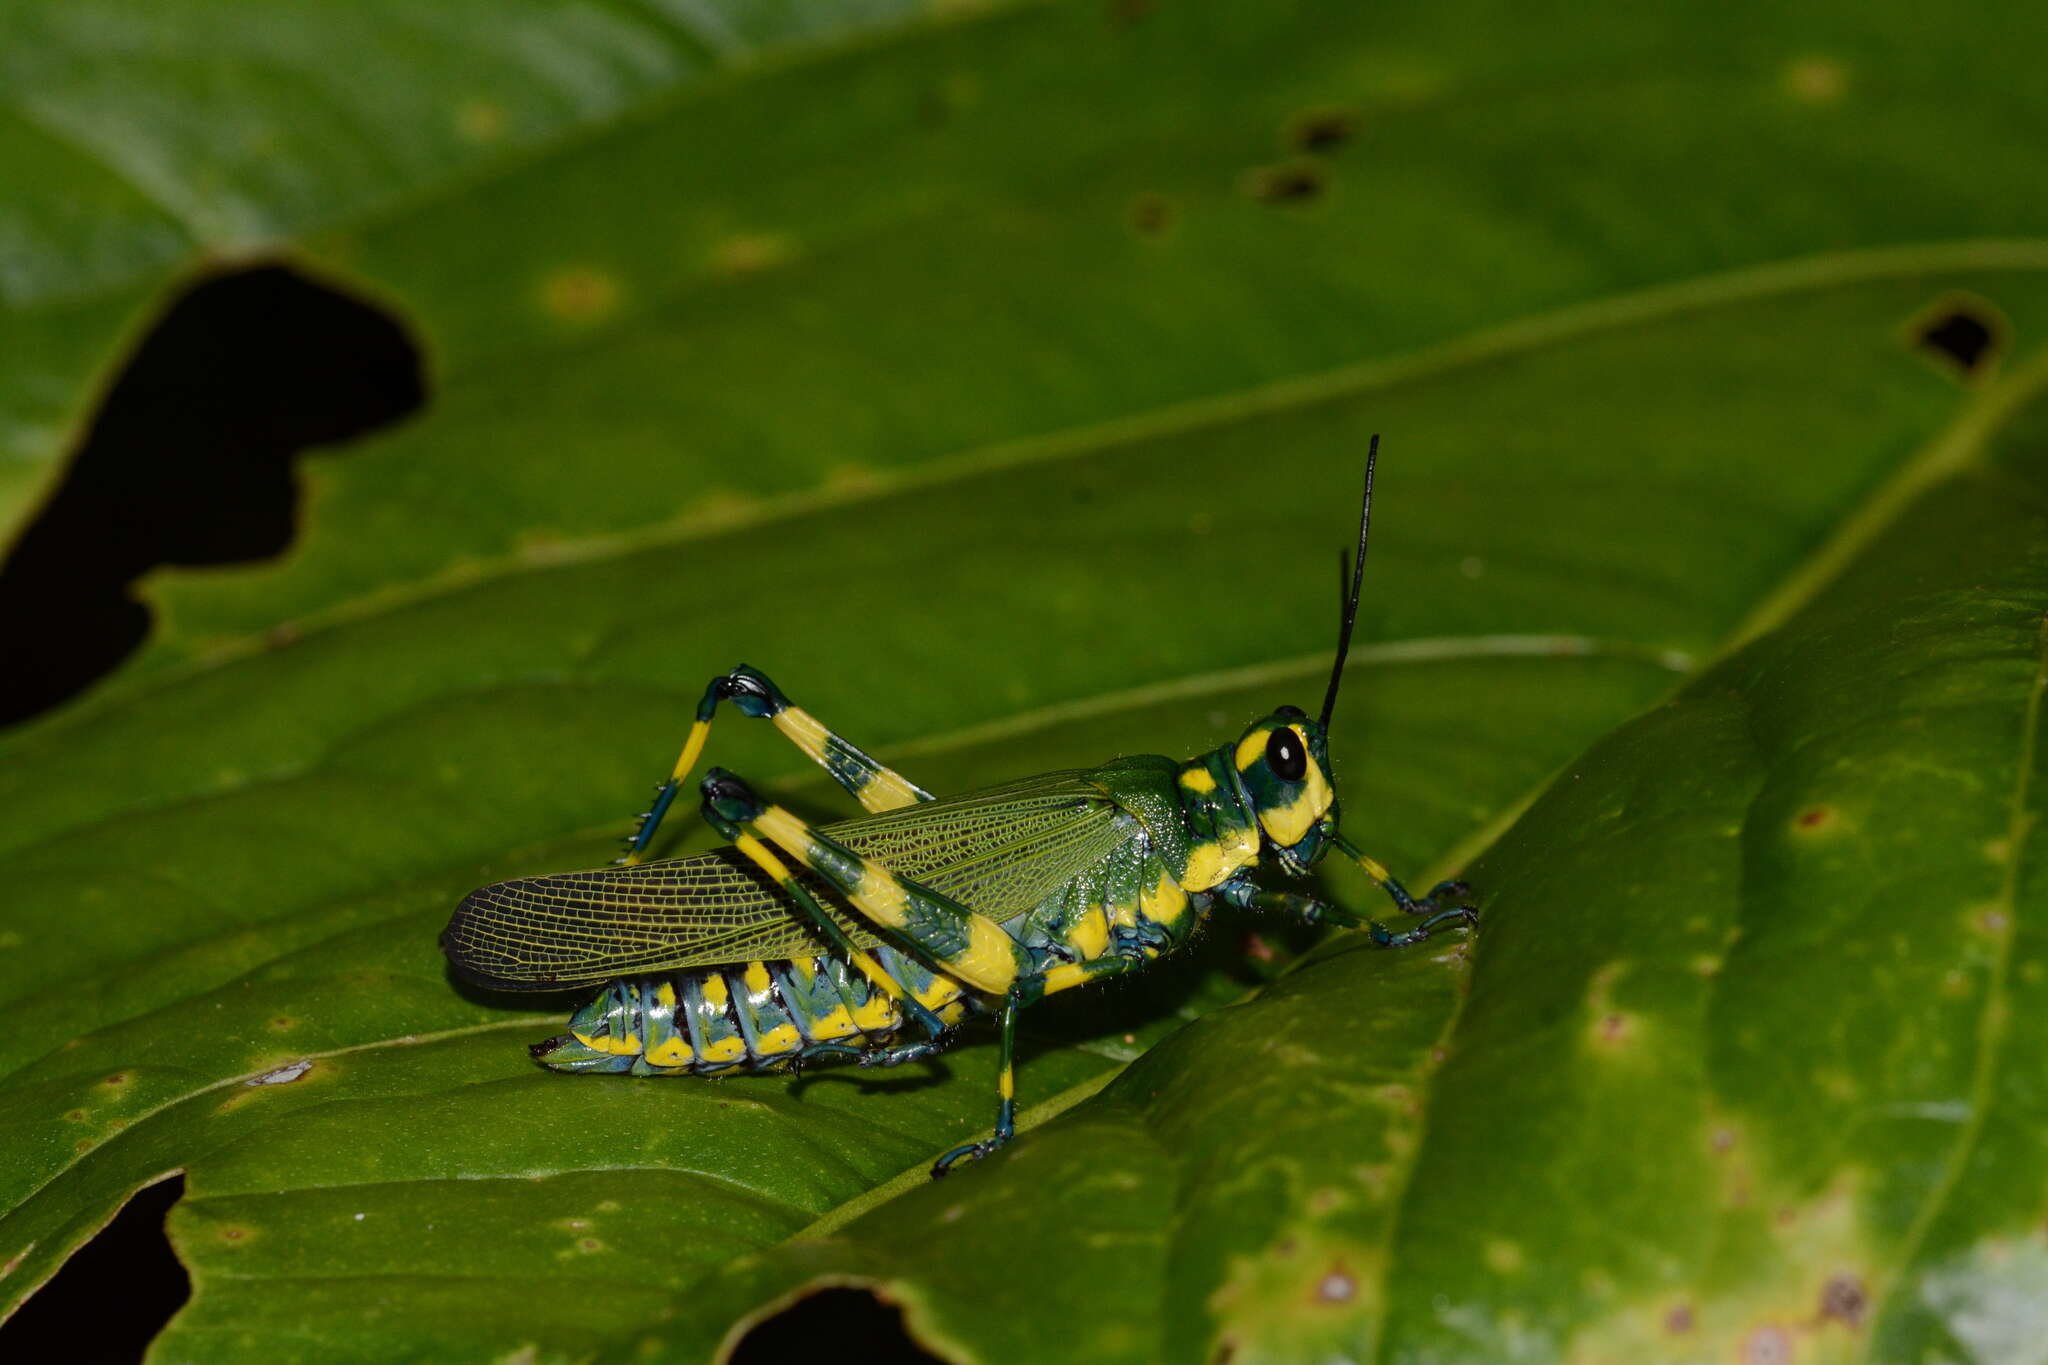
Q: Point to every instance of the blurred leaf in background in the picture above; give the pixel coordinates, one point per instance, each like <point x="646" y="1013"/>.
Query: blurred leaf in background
<point x="998" y="377"/>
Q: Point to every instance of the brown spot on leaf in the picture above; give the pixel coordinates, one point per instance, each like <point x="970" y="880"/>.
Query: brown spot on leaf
<point x="1679" y="1320"/>
<point x="1814" y="817"/>
<point x="82" y="1145"/>
<point x="75" y="1115"/>
<point x="1293" y="182"/>
<point x="1844" y="1299"/>
<point x="1321" y="130"/>
<point x="234" y="1232"/>
<point x="118" y="1078"/>
<point x="1150" y="215"/>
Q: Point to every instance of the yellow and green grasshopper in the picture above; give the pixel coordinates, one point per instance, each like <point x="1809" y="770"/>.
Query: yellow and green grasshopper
<point x="875" y="937"/>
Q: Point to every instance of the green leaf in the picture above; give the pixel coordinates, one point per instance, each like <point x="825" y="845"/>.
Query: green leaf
<point x="138" y="143"/>
<point x="1013" y="430"/>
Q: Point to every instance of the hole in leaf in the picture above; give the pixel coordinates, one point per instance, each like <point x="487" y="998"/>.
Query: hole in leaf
<point x="96" y="1324"/>
<point x="1963" y="334"/>
<point x="189" y="461"/>
<point x="859" y="1326"/>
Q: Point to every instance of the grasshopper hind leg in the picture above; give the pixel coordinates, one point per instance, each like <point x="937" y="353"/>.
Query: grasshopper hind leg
<point x="876" y="787"/>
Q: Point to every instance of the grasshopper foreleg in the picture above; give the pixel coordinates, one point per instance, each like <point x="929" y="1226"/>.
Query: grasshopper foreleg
<point x="1245" y="893"/>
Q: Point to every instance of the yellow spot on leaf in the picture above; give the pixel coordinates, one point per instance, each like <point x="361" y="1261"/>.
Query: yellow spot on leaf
<point x="480" y="120"/>
<point x="580" y="294"/>
<point x="1816" y="80"/>
<point x="751" y="253"/>
<point x="1503" y="1257"/>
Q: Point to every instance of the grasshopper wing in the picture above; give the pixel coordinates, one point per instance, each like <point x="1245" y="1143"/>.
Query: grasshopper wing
<point x="1001" y="851"/>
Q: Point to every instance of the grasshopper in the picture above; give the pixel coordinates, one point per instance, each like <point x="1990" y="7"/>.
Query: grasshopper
<point x="874" y="938"/>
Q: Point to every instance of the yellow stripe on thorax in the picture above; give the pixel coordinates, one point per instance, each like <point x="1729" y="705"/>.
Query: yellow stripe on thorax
<point x="1088" y="936"/>
<point x="1212" y="863"/>
<point x="1065" y="976"/>
<point x="1164" y="903"/>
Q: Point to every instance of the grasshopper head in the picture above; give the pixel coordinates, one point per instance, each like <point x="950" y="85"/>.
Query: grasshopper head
<point x="1283" y="763"/>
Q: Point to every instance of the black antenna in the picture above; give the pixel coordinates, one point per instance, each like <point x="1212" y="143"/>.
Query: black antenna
<point x="1351" y="600"/>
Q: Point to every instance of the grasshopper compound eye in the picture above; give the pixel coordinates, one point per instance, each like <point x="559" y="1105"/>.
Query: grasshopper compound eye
<point x="1285" y="755"/>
